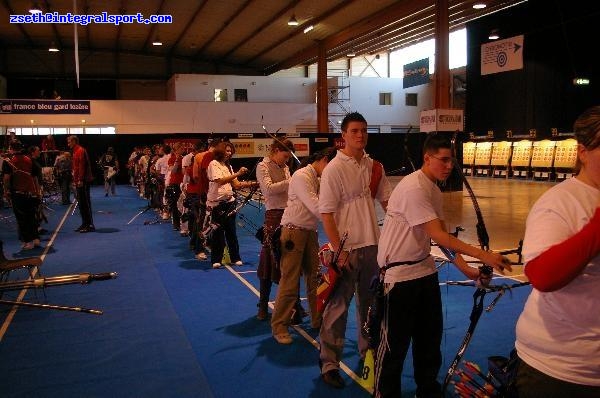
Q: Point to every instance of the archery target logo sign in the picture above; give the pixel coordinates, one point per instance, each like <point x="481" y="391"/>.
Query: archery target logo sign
<point x="502" y="55"/>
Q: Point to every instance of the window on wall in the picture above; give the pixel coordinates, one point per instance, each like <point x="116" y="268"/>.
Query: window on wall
<point x="240" y="95"/>
<point x="220" y="95"/>
<point x="385" y="98"/>
<point x="63" y="130"/>
<point x="457" y="51"/>
<point x="411" y="99"/>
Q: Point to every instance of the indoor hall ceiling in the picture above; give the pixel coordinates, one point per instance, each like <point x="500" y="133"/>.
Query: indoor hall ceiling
<point x="216" y="36"/>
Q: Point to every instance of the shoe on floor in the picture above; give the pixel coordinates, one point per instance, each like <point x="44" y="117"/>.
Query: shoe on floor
<point x="79" y="228"/>
<point x="89" y="228"/>
<point x="27" y="246"/>
<point x="217" y="265"/>
<point x="238" y="263"/>
<point x="263" y="312"/>
<point x="333" y="378"/>
<point x="201" y="256"/>
<point x="283" y="338"/>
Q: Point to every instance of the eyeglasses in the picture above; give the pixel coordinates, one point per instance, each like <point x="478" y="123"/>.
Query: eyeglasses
<point x="446" y="161"/>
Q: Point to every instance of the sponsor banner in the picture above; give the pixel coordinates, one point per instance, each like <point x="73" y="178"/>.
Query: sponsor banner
<point x="46" y="107"/>
<point x="441" y="120"/>
<point x="502" y="55"/>
<point x="416" y="73"/>
<point x="261" y="147"/>
<point x="188" y="143"/>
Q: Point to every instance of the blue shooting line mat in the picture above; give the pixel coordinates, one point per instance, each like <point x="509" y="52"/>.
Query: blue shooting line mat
<point x="174" y="327"/>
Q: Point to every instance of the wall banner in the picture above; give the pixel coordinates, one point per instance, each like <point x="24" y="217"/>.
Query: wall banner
<point x="416" y="73"/>
<point x="441" y="120"/>
<point x="45" y="107"/>
<point x="261" y="147"/>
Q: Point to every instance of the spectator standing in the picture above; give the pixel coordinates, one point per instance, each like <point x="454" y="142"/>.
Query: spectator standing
<point x="63" y="167"/>
<point x="82" y="179"/>
<point x="110" y="168"/>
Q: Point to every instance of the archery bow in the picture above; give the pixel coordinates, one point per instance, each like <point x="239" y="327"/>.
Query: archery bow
<point x="274" y="136"/>
<point x="482" y="234"/>
<point x="485" y="270"/>
<point x="484" y="242"/>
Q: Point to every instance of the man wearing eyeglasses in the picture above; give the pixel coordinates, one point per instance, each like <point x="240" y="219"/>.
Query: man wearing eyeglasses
<point x="413" y="306"/>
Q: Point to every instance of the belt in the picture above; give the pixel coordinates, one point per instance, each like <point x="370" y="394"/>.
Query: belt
<point x="394" y="264"/>
<point x="292" y="226"/>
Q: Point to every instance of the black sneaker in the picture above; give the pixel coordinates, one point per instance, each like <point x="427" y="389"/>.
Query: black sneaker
<point x="333" y="378"/>
<point x="79" y="228"/>
<point x="89" y="228"/>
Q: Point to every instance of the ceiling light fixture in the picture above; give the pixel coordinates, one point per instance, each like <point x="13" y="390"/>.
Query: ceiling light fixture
<point x="351" y="54"/>
<point x="156" y="41"/>
<point x="53" y="48"/>
<point x="494" y="34"/>
<point x="293" y="21"/>
<point x="308" y="28"/>
<point x="479" y="6"/>
<point x="35" y="9"/>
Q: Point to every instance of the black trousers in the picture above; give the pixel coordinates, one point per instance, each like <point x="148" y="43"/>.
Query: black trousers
<point x="226" y="230"/>
<point x="85" y="204"/>
<point x="413" y="313"/>
<point x="25" y="208"/>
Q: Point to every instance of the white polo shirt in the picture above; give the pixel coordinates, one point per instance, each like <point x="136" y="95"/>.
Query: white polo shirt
<point x="345" y="192"/>
<point x="303" y="199"/>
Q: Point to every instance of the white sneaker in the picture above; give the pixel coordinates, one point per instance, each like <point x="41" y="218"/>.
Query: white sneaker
<point x="201" y="256"/>
<point x="28" y="246"/>
<point x="238" y="263"/>
<point x="217" y="265"/>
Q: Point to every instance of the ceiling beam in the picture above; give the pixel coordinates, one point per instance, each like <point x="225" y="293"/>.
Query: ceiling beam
<point x="185" y="30"/>
<point x="267" y="23"/>
<point x="235" y="14"/>
<point x="389" y="15"/>
<point x="300" y="29"/>
<point x="153" y="27"/>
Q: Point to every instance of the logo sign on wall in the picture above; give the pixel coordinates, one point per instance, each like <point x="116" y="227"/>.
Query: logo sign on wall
<point x="502" y="55"/>
<point x="46" y="107"/>
<point x="441" y="120"/>
<point x="416" y="73"/>
<point x="188" y="143"/>
<point x="261" y="147"/>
